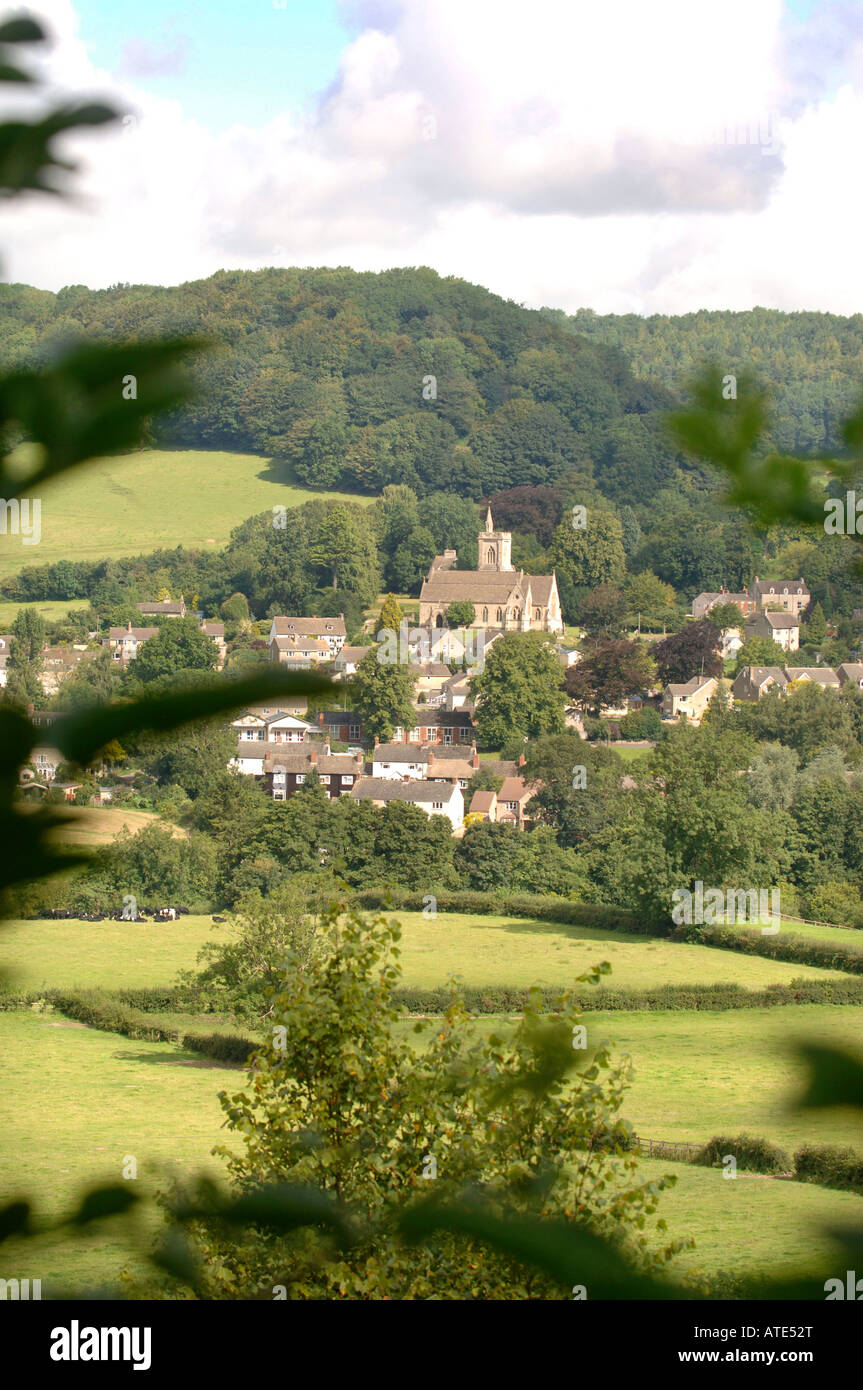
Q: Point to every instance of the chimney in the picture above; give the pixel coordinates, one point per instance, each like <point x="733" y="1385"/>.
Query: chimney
<point x="320" y="719"/>
<point x="431" y="757"/>
<point x="359" y="758"/>
<point x="474" y="762"/>
<point x="521" y="760"/>
<point x="313" y="755"/>
<point x="326" y="747"/>
<point x="377" y="740"/>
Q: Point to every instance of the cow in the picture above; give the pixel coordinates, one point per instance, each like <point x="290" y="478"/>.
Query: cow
<point x="168" y="914"/>
<point x="219" y="919"/>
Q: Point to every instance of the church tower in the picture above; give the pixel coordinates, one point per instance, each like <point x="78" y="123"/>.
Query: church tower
<point x="494" y="547"/>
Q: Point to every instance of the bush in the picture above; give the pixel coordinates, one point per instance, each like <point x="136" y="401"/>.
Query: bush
<point x="803" y="950"/>
<point x="643" y="723"/>
<point x="753" y="1155"/>
<point x="716" y="998"/>
<point x="112" y="1013"/>
<point x="836" y="902"/>
<point x="831" y="1165"/>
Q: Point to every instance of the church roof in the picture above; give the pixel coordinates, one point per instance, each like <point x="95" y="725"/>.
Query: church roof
<point x="540" y="587"/>
<point x="487" y="586"/>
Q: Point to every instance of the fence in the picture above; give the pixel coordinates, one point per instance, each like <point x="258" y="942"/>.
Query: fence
<point x="672" y="1149"/>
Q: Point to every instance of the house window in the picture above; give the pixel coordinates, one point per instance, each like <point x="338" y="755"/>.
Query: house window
<point x="415" y="736"/>
<point x="278" y="794"/>
<point x="301" y="777"/>
<point x="347" y="781"/>
<point x="325" y="781"/>
<point x="398" y="734"/>
<point x="447" y="735"/>
<point x="437" y="805"/>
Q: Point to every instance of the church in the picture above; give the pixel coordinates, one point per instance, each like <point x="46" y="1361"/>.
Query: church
<point x="503" y="598"/>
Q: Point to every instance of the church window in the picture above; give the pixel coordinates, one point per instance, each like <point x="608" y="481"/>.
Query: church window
<point x="485" y="615"/>
<point x="490" y="556"/>
<point x="500" y="615"/>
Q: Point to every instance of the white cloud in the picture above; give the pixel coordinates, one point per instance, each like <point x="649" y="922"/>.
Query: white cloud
<point x="572" y="162"/>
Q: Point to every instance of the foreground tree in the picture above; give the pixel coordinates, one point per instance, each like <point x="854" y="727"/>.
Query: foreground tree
<point x="344" y="1102"/>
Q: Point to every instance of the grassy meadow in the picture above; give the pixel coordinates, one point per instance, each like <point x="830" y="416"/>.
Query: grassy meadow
<point x="77" y="1101"/>
<point x="153" y="498"/>
<point x="496" y="950"/>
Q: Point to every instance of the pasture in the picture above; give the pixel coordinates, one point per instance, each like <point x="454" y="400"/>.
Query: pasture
<point x="89" y="826"/>
<point x="496" y="950"/>
<point x="49" y="609"/>
<point x="78" y="1101"/>
<point x="107" y="955"/>
<point x="154" y="498"/>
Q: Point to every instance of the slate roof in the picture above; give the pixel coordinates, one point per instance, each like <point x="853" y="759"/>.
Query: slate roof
<point x="310" y="627"/>
<point x="386" y="789"/>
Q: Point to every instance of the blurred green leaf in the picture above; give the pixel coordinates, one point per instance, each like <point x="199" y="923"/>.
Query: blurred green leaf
<point x="26" y="157"/>
<point x="81" y="736"/>
<point x="566" y="1252"/>
<point x="76" y="408"/>
<point x="774" y="489"/>
<point x="22" y="29"/>
<point x="278" y="1207"/>
<point x="175" y="1256"/>
<point x="102" y="1202"/>
<point x="835" y="1077"/>
<point x="14" y="1219"/>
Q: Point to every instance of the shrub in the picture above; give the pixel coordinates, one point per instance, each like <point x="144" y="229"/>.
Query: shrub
<point x="836" y="902"/>
<point x="803" y="950"/>
<point x="831" y="1165"/>
<point x="643" y="723"/>
<point x="753" y="1154"/>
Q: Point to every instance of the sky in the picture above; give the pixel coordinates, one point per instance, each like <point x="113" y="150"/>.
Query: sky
<point x="625" y="156"/>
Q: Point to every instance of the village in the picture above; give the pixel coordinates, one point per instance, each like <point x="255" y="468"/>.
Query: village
<point x="430" y="762"/>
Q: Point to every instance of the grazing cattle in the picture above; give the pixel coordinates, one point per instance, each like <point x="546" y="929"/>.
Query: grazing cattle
<point x="218" y="919"/>
<point x="168" y="914"/>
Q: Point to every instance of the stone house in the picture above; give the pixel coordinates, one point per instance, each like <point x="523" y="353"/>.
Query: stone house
<point x="690" y="699"/>
<point x="435" y="798"/>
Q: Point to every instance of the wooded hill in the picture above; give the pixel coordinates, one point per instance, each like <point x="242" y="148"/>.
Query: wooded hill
<point x="360" y="380"/>
<point x="813" y="362"/>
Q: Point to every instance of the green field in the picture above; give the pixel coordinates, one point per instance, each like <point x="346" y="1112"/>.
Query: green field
<point x="94" y="1099"/>
<point x="121" y="955"/>
<point x="51" y="609"/>
<point x="77" y="1101"/>
<point x="515" y="951"/>
<point x="749" y="1224"/>
<point x="480" y="951"/>
<point x="696" y="1074"/>
<point x="154" y="498"/>
<point x="630" y="754"/>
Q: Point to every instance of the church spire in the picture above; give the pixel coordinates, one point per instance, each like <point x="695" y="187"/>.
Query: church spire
<point x="489" y="524"/>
